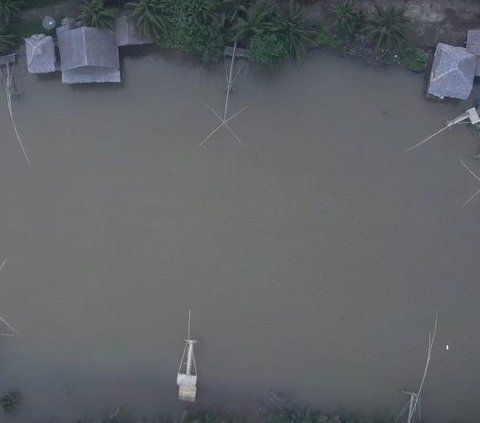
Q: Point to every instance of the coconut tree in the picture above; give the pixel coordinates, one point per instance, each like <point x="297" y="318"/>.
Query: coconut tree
<point x="9" y="9"/>
<point x="96" y="13"/>
<point x="387" y="27"/>
<point x="259" y="18"/>
<point x="235" y="9"/>
<point x="299" y="30"/>
<point x="149" y="17"/>
<point x="348" y="17"/>
<point x="7" y="42"/>
<point x="208" y="11"/>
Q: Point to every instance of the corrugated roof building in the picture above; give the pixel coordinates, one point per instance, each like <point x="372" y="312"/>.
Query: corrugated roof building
<point x="473" y="46"/>
<point x="127" y="33"/>
<point x="88" y="55"/>
<point x="40" y="51"/>
<point x="453" y="72"/>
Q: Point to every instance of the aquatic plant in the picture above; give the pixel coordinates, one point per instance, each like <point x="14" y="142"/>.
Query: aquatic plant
<point x="299" y="29"/>
<point x="10" y="400"/>
<point x="269" y="49"/>
<point x="7" y="43"/>
<point x="9" y="9"/>
<point x="348" y="18"/>
<point x="150" y="17"/>
<point x="95" y="13"/>
<point x="416" y="59"/>
<point x="261" y="17"/>
<point x="387" y="27"/>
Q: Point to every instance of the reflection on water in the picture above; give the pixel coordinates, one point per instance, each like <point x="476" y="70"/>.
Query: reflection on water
<point x="314" y="256"/>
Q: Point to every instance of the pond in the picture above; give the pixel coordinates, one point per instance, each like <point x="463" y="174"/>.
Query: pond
<point x="314" y="255"/>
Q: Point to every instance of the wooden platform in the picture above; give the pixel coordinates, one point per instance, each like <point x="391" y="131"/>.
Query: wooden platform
<point x="239" y="53"/>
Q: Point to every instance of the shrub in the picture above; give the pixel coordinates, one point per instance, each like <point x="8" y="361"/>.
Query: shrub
<point x="10" y="400"/>
<point x="269" y="49"/>
<point x="195" y="28"/>
<point x="416" y="59"/>
<point x="326" y="39"/>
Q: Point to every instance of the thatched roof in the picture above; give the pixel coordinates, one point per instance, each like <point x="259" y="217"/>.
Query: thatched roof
<point x="453" y="72"/>
<point x="473" y="46"/>
<point x="127" y="34"/>
<point x="40" y="51"/>
<point x="88" y="55"/>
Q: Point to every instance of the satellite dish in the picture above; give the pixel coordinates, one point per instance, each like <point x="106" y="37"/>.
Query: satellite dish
<point x="48" y="23"/>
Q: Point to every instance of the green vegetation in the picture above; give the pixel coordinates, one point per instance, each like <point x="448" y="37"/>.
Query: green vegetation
<point x="9" y="9"/>
<point x="416" y="59"/>
<point x="269" y="49"/>
<point x="387" y="27"/>
<point x="283" y="415"/>
<point x="150" y="18"/>
<point x="273" y="30"/>
<point x="7" y="43"/>
<point x="10" y="401"/>
<point x="195" y="27"/>
<point x="96" y="13"/>
<point x="300" y="31"/>
<point x="259" y="18"/>
<point x="348" y="18"/>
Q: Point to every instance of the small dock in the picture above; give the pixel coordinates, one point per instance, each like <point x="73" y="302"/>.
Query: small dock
<point x="187" y="372"/>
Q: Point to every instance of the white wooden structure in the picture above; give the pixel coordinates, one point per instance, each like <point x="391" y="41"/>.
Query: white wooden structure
<point x="187" y="371"/>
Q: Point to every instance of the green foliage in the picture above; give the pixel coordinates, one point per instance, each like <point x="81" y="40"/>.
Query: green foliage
<point x="150" y="17"/>
<point x="194" y="28"/>
<point x="416" y="59"/>
<point x="235" y="9"/>
<point x="348" y="18"/>
<point x="269" y="49"/>
<point x="387" y="27"/>
<point x="95" y="13"/>
<point x="298" y="29"/>
<point x="326" y="39"/>
<point x="7" y="43"/>
<point x="9" y="9"/>
<point x="259" y="18"/>
<point x="10" y="400"/>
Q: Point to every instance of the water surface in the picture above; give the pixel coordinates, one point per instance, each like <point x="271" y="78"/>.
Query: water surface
<point x="314" y="256"/>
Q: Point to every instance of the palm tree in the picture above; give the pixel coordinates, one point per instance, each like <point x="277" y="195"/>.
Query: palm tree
<point x="9" y="9"/>
<point x="149" y="17"/>
<point x="348" y="17"/>
<point x="95" y="13"/>
<point x="259" y="18"/>
<point x="387" y="27"/>
<point x="236" y="9"/>
<point x="7" y="43"/>
<point x="299" y="30"/>
<point x="208" y="11"/>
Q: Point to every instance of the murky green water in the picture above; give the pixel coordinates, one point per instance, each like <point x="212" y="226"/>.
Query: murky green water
<point x="313" y="256"/>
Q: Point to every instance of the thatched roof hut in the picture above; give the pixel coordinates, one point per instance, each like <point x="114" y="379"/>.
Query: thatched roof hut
<point x="453" y="72"/>
<point x="40" y="51"/>
<point x="127" y="33"/>
<point x="88" y="55"/>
